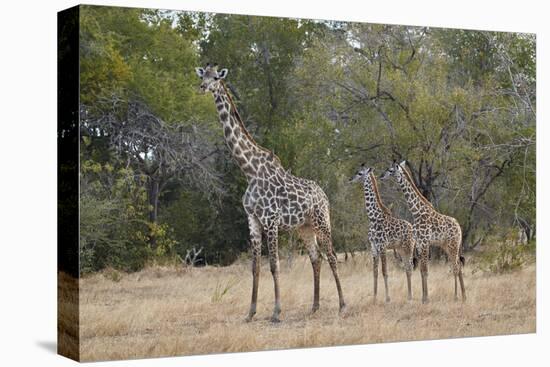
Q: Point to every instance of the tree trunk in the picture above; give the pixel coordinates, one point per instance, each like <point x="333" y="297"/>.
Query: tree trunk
<point x="470" y="226"/>
<point x="153" y="196"/>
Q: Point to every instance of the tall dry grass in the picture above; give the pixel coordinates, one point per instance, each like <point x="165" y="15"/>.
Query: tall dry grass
<point x="168" y="312"/>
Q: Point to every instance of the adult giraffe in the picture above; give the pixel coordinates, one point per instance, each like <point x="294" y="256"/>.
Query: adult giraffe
<point x="274" y="199"/>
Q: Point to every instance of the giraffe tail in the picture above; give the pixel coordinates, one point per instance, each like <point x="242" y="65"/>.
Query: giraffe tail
<point x="330" y="251"/>
<point x="322" y="253"/>
<point x="415" y="261"/>
<point x="415" y="257"/>
<point x="462" y="260"/>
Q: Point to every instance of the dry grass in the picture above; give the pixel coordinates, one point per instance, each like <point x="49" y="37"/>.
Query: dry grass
<point x="67" y="316"/>
<point x="168" y="312"/>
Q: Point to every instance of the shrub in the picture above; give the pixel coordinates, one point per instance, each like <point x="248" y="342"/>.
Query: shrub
<point x="112" y="274"/>
<point x="506" y="255"/>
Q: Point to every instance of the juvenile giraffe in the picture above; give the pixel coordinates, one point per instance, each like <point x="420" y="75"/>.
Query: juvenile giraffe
<point x="274" y="199"/>
<point x="430" y="228"/>
<point x="385" y="231"/>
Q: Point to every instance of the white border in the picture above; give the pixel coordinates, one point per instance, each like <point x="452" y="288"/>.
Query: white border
<point x="28" y="181"/>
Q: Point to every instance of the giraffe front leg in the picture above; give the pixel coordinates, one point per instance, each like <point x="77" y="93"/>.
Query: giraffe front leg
<point x="307" y="235"/>
<point x="409" y="290"/>
<point x="385" y="273"/>
<point x="316" y="265"/>
<point x="424" y="272"/>
<point x="256" y="243"/>
<point x="272" y="244"/>
<point x="409" y="266"/>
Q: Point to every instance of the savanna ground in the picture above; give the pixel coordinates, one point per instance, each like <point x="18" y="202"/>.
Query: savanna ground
<point x="165" y="311"/>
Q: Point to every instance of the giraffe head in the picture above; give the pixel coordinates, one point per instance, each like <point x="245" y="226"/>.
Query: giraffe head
<point x="210" y="77"/>
<point x="361" y="174"/>
<point x="396" y="170"/>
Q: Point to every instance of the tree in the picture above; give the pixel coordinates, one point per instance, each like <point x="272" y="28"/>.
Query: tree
<point x="325" y="96"/>
<point x="455" y="126"/>
<point x="138" y="103"/>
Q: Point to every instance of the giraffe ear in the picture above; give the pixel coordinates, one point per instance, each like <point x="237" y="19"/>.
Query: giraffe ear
<point x="222" y="73"/>
<point x="200" y="72"/>
<point x="402" y="164"/>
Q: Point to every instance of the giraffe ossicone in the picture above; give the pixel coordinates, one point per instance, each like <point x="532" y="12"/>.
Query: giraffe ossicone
<point x="274" y="199"/>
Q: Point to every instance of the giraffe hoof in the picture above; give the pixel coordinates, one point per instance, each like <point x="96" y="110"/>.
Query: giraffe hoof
<point x="249" y="317"/>
<point x="425" y="301"/>
<point x="343" y="309"/>
<point x="314" y="309"/>
<point x="275" y="319"/>
<point x="388" y="299"/>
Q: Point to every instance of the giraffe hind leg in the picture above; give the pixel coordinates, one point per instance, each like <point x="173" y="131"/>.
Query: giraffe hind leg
<point x="462" y="288"/>
<point x="321" y="225"/>
<point x="462" y="261"/>
<point x="456" y="286"/>
<point x="256" y="244"/>
<point x="375" y="259"/>
<point x="326" y="243"/>
<point x="272" y="244"/>
<point x="332" y="260"/>
<point x="409" y="290"/>
<point x="457" y="264"/>
<point x="385" y="274"/>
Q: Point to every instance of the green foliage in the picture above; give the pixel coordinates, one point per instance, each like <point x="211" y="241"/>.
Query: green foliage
<point x="112" y="204"/>
<point x="325" y="97"/>
<point x="112" y="274"/>
<point x="260" y="53"/>
<point x="114" y="232"/>
<point x="125" y="53"/>
<point x="505" y="256"/>
<point x="438" y="99"/>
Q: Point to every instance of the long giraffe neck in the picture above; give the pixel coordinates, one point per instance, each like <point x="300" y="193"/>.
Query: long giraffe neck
<point x="373" y="203"/>
<point x="246" y="152"/>
<point x="418" y="204"/>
